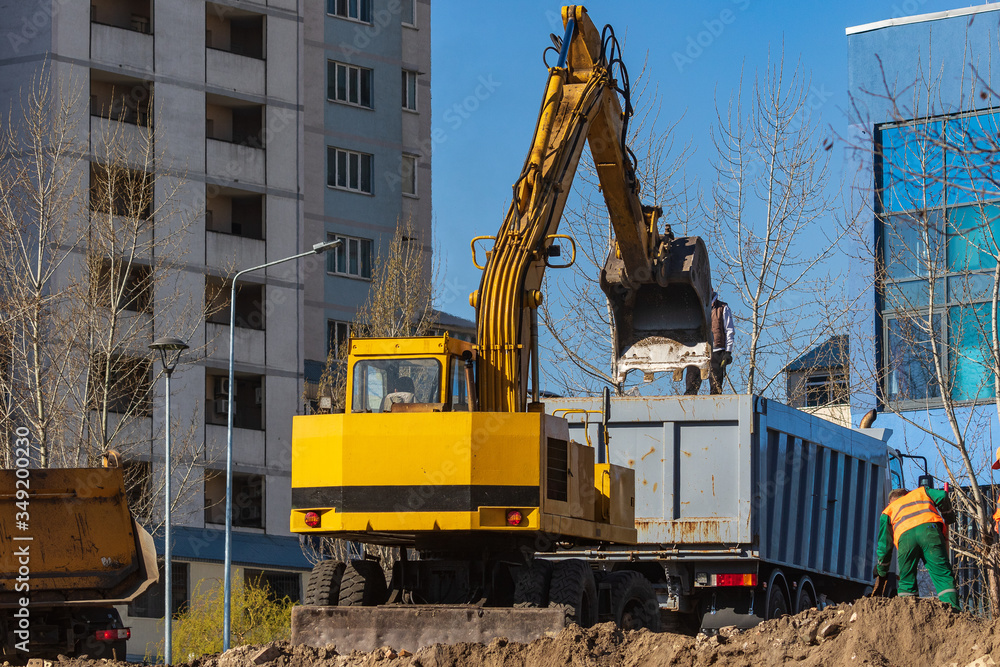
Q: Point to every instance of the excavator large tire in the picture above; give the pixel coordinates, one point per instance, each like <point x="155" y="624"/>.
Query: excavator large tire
<point x="363" y="584"/>
<point x="573" y="587"/>
<point x="323" y="585"/>
<point x="531" y="584"/>
<point x="633" y="601"/>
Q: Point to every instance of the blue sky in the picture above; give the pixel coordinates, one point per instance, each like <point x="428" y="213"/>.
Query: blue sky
<point x="488" y="78"/>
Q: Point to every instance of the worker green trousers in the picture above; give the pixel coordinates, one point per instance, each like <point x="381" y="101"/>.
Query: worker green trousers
<point x="925" y="542"/>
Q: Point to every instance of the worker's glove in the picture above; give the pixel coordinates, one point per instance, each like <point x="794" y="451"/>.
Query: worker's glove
<point x="879" y="590"/>
<point x="729" y="358"/>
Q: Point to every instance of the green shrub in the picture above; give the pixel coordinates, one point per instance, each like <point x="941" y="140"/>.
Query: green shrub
<point x="256" y="618"/>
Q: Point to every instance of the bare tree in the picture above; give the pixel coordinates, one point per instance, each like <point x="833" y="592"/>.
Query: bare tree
<point x="774" y="224"/>
<point x="91" y="232"/>
<point x="938" y="279"/>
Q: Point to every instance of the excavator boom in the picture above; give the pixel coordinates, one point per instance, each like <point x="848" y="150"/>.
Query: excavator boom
<point x="659" y="287"/>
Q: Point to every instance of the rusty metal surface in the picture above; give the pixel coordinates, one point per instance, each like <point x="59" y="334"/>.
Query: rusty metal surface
<point x="739" y="474"/>
<point x="82" y="543"/>
<point x="412" y="627"/>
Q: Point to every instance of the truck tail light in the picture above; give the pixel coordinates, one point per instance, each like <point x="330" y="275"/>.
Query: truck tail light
<point x="312" y="519"/>
<point x="112" y="635"/>
<point x="514" y="518"/>
<point x="735" y="579"/>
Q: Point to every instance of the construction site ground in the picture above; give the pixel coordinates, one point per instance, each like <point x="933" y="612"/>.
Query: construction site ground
<point x="901" y="631"/>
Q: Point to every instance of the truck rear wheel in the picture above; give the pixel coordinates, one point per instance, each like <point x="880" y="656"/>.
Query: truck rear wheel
<point x="633" y="601"/>
<point x="776" y="605"/>
<point x="323" y="586"/>
<point x="573" y="587"/>
<point x="531" y="584"/>
<point x="363" y="584"/>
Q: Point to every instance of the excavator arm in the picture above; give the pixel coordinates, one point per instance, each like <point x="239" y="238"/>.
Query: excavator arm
<point x="581" y="105"/>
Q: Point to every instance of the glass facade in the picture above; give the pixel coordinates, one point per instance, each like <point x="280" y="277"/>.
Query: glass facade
<point x="939" y="187"/>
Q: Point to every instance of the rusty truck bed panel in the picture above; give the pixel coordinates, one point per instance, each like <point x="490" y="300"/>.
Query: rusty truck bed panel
<point x="81" y="541"/>
<point x="741" y="474"/>
<point x="412" y="627"/>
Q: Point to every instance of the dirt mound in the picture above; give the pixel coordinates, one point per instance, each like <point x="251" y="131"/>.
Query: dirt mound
<point x="900" y="632"/>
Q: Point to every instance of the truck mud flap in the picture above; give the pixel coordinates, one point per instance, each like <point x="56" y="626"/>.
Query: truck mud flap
<point x="662" y="321"/>
<point x="412" y="627"/>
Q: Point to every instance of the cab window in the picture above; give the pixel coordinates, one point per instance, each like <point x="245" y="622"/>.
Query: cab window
<point x="896" y="472"/>
<point x="459" y="386"/>
<point x="380" y="383"/>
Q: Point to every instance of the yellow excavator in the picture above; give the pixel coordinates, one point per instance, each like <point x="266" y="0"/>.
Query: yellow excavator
<point x="441" y="455"/>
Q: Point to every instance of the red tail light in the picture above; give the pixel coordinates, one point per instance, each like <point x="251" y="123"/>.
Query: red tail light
<point x="112" y="635"/>
<point x="514" y="518"/>
<point x="312" y="519"/>
<point x="735" y="579"/>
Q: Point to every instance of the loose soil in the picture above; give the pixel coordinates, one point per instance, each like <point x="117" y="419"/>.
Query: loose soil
<point x="898" y="632"/>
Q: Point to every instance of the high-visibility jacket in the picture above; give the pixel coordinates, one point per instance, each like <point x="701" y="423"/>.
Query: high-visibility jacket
<point x="996" y="518"/>
<point x="912" y="510"/>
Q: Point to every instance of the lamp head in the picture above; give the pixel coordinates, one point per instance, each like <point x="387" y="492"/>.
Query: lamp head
<point x="170" y="351"/>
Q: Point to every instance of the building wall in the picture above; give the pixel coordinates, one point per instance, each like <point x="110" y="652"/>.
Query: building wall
<point x="386" y="131"/>
<point x="911" y="68"/>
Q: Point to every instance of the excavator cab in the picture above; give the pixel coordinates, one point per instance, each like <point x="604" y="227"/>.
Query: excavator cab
<point x="425" y="374"/>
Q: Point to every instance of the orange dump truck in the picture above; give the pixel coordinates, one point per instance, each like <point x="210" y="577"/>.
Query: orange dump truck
<point x="70" y="551"/>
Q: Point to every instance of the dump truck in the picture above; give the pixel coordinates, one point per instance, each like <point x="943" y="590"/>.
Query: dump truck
<point x="746" y="509"/>
<point x="72" y="550"/>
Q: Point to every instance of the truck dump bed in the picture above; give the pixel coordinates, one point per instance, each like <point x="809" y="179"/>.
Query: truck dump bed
<point x="84" y="547"/>
<point x="743" y="477"/>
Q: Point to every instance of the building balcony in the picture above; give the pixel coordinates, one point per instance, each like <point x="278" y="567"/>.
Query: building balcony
<point x="235" y="72"/>
<point x="224" y="250"/>
<point x="248" y="347"/>
<point x="109" y="137"/>
<point x="234" y="162"/>
<point x="248" y="445"/>
<point x="121" y="47"/>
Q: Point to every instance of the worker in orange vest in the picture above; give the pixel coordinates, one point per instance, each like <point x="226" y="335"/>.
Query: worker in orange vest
<point x="996" y="514"/>
<point x="913" y="523"/>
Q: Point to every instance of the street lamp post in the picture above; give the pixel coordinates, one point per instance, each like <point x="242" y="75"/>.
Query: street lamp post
<point x="317" y="249"/>
<point x="170" y="353"/>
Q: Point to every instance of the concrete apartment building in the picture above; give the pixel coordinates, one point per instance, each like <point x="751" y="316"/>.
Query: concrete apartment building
<point x="367" y="149"/>
<point x="226" y="85"/>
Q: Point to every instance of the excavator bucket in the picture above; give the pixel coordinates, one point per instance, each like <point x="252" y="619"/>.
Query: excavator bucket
<point x="662" y="321"/>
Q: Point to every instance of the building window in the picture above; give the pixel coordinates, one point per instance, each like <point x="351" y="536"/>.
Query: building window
<point x="349" y="84"/>
<point x="249" y="303"/>
<point x="408" y="9"/>
<point x="248" y="499"/>
<point x="408" y="174"/>
<point x="353" y="257"/>
<point x="280" y="585"/>
<point x="939" y="232"/>
<point x="120" y="191"/>
<point x="359" y="10"/>
<point x="122" y="99"/>
<point x="128" y="14"/>
<point x="151" y="603"/>
<point x="348" y="170"/>
<point x="248" y="400"/>
<point x="337" y="336"/>
<point x="119" y="285"/>
<point x="119" y="383"/>
<point x="827" y="389"/>
<point x="409" y="90"/>
<point x="236" y="212"/>
<point x="237" y="31"/>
